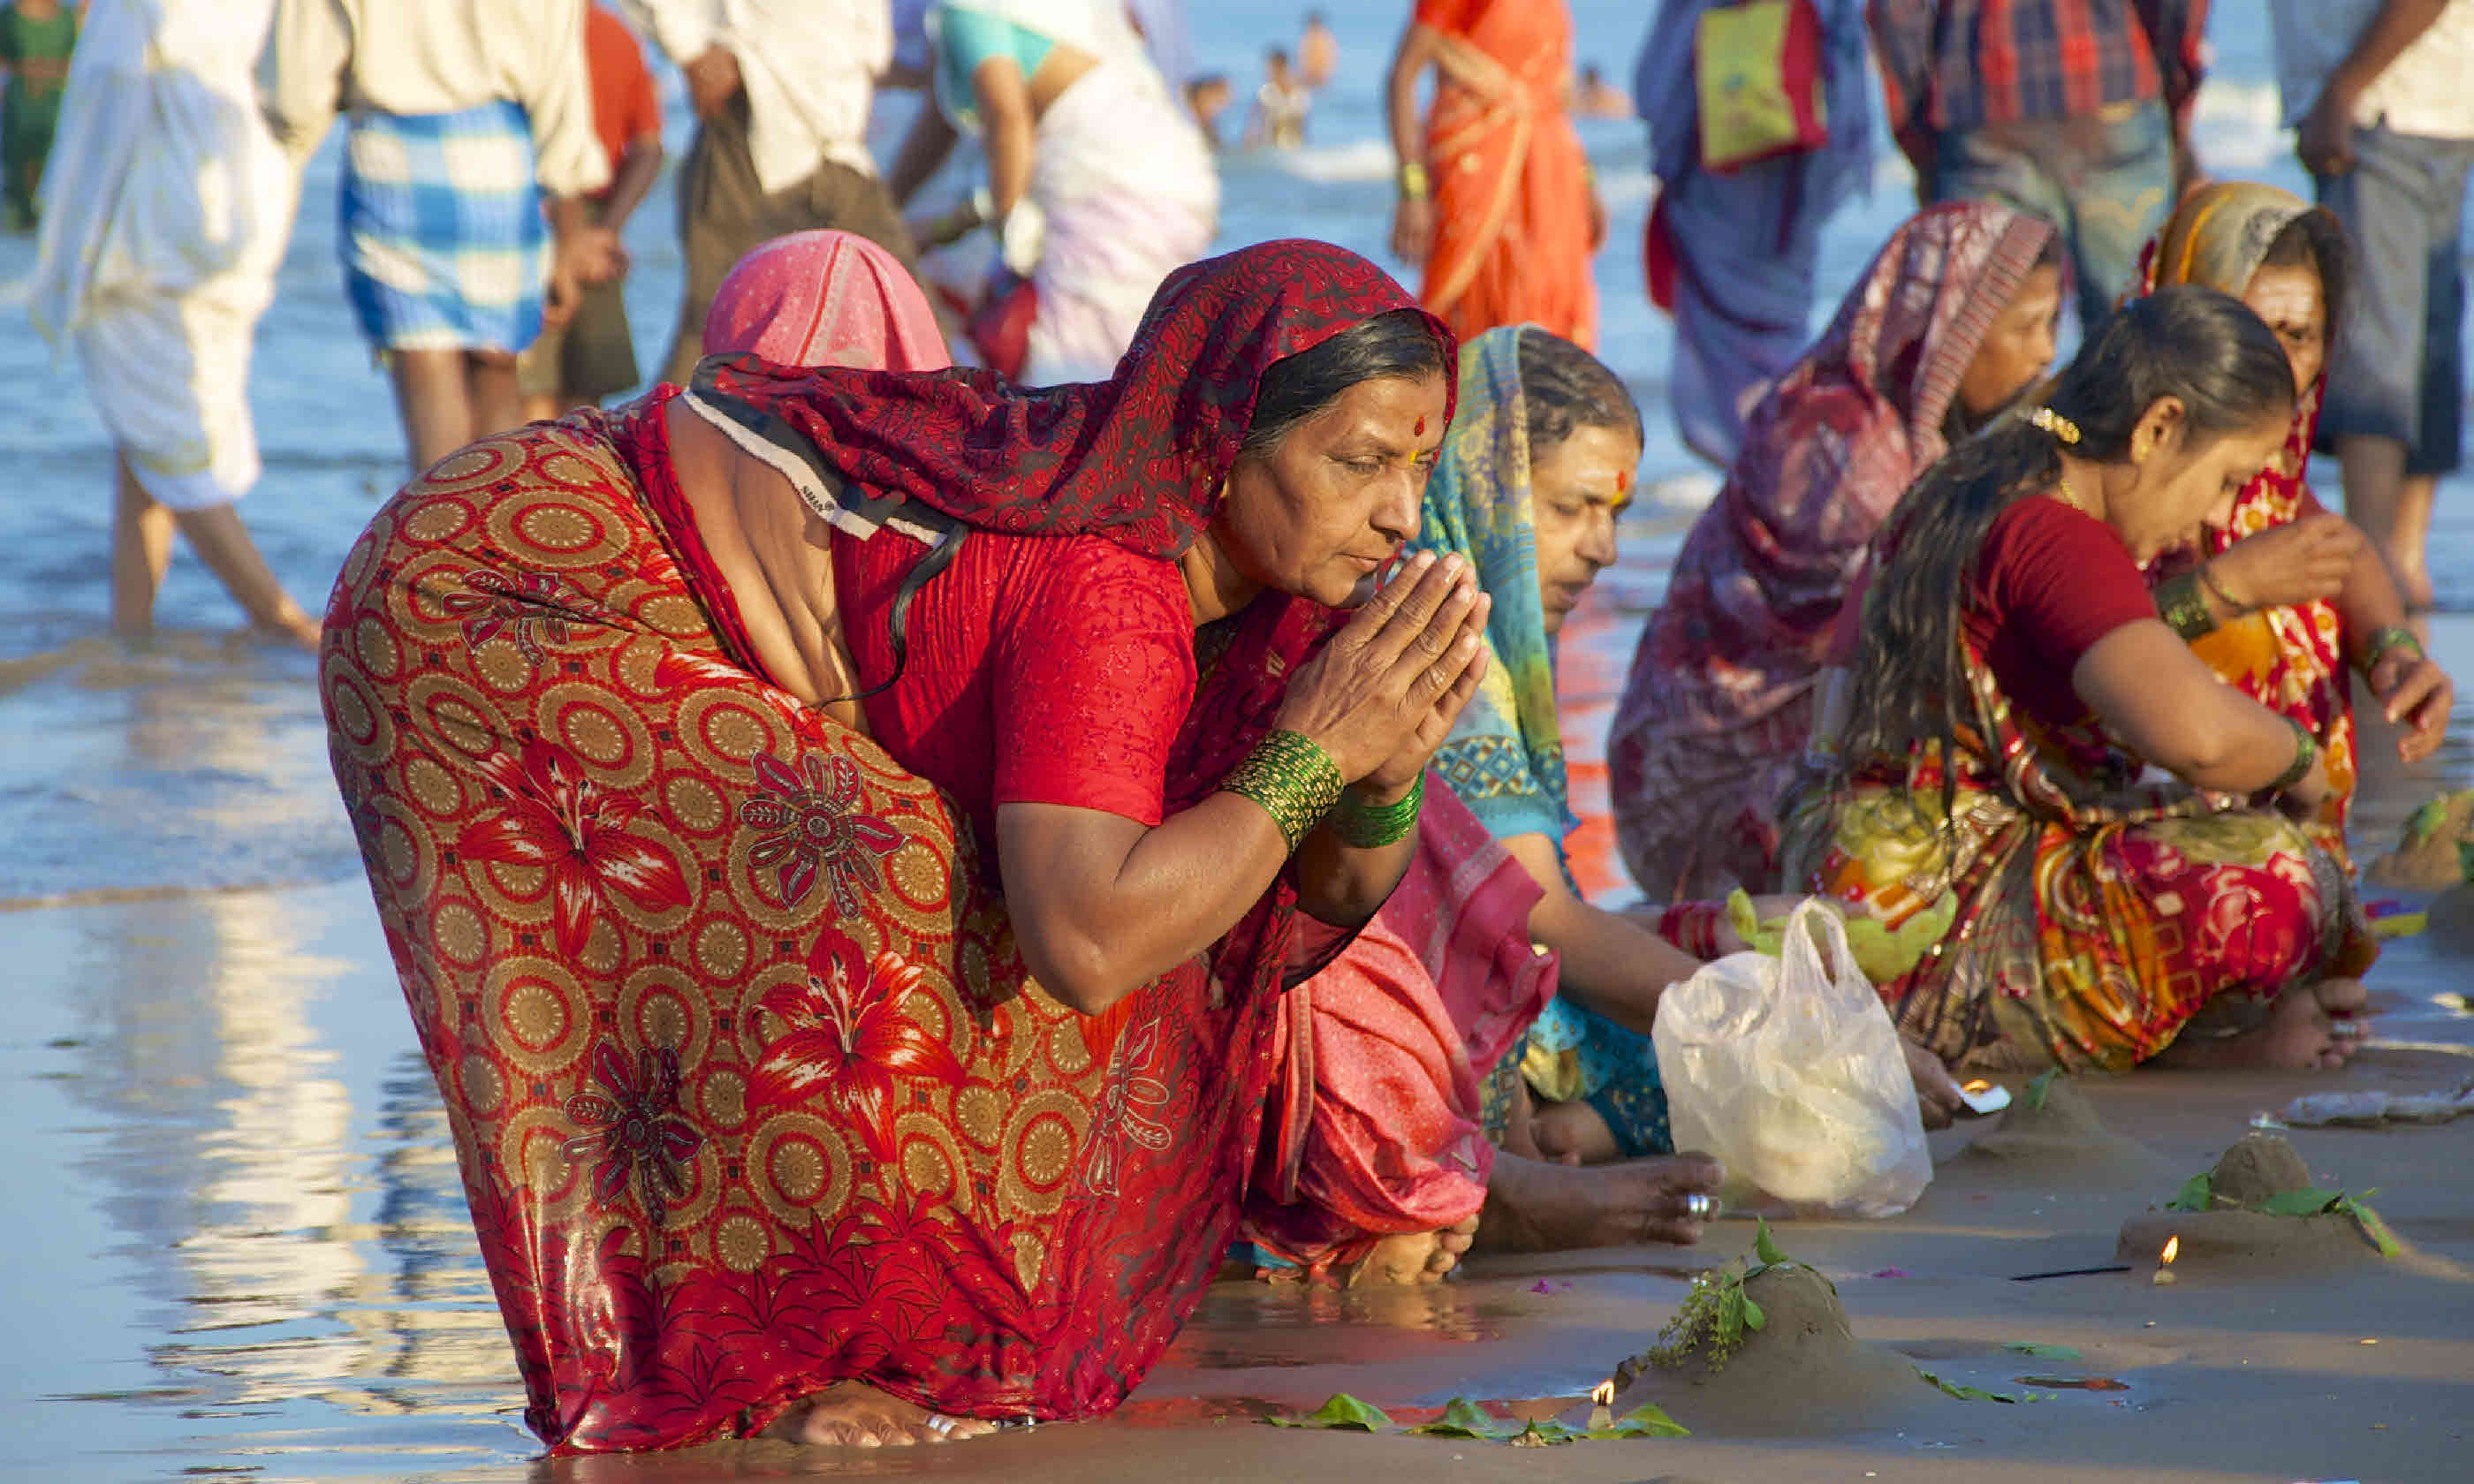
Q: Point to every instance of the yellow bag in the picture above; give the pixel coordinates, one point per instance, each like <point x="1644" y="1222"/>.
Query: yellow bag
<point x="1757" y="74"/>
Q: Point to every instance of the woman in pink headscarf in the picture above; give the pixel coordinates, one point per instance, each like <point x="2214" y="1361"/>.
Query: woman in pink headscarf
<point x="1953" y="318"/>
<point x="825" y="299"/>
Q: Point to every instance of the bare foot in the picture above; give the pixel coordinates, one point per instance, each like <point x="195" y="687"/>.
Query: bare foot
<point x="1572" y="1134"/>
<point x="1415" y="1257"/>
<point x="2313" y="1030"/>
<point x="1534" y="1206"/>
<point x="850" y="1414"/>
<point x="295" y="628"/>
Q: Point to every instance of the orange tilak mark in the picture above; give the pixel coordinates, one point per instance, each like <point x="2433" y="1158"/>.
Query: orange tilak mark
<point x="1421" y="427"/>
<point x="1623" y="480"/>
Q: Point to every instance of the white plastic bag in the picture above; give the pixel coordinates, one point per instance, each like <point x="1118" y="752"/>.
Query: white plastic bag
<point x="1790" y="1071"/>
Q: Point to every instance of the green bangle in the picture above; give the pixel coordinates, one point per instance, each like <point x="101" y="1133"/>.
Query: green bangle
<point x="2306" y="751"/>
<point x="2208" y="580"/>
<point x="1291" y="777"/>
<point x="2392" y="636"/>
<point x="1366" y="826"/>
<point x="2179" y="604"/>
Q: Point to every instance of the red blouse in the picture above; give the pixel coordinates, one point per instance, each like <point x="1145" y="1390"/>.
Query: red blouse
<point x="1042" y="669"/>
<point x="2049" y="582"/>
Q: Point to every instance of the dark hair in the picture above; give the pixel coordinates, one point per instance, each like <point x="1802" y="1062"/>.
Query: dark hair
<point x="2184" y="342"/>
<point x="1565" y="387"/>
<point x="1400" y="342"/>
<point x="1278" y="54"/>
<point x="2315" y="240"/>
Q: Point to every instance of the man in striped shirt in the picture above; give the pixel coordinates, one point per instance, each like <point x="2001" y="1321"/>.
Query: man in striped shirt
<point x="2075" y="110"/>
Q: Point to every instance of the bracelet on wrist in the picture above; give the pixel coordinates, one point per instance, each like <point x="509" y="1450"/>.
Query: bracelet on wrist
<point x="1366" y="826"/>
<point x="2179" y="604"/>
<point x="2217" y="590"/>
<point x="1414" y="185"/>
<point x="1292" y="778"/>
<point x="2384" y="639"/>
<point x="2306" y="751"/>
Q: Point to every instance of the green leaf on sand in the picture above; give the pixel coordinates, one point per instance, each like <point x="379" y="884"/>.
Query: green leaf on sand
<point x="2306" y="1202"/>
<point x="2039" y="1088"/>
<point x="1641" y="1422"/>
<point x="1763" y="1247"/>
<point x="2042" y="1352"/>
<point x="1465" y="1419"/>
<point x="2375" y="1228"/>
<point x="2197" y="1193"/>
<point x="1343" y="1411"/>
<point x="1754" y="1318"/>
<point x="1975" y="1392"/>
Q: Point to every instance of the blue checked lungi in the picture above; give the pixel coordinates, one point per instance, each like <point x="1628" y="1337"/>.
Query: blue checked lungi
<point x="444" y="243"/>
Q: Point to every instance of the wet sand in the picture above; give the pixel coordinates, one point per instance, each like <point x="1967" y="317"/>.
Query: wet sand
<point x="262" y="1266"/>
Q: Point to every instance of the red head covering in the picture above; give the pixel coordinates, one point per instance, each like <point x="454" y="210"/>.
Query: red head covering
<point x="1138" y="458"/>
<point x="825" y="299"/>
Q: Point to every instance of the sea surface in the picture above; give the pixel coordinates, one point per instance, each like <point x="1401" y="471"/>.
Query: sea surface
<point x="241" y="1248"/>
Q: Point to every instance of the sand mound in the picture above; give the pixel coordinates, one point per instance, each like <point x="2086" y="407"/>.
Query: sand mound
<point x="1804" y="1372"/>
<point x="2066" y="1139"/>
<point x="2426" y="858"/>
<point x="2234" y="1242"/>
<point x="2246" y="1244"/>
<point x="2259" y="1166"/>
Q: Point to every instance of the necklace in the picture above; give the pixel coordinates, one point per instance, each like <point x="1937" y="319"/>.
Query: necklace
<point x="2069" y="495"/>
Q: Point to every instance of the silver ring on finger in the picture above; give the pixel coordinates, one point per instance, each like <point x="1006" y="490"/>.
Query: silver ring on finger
<point x="940" y="1425"/>
<point x="1701" y="1206"/>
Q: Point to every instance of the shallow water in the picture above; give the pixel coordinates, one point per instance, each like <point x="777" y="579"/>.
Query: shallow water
<point x="243" y="1249"/>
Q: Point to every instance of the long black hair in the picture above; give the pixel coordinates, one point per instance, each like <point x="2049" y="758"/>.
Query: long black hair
<point x="2186" y="342"/>
<point x="1563" y="387"/>
<point x="1400" y="343"/>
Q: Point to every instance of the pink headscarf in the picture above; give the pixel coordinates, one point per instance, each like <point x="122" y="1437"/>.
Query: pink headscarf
<point x="825" y="299"/>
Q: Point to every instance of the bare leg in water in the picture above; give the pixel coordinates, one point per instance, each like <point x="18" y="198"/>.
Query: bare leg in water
<point x="141" y="551"/>
<point x="448" y="398"/>
<point x="849" y="1414"/>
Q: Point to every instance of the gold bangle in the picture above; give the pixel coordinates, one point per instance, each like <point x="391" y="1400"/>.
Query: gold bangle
<point x="1414" y="185"/>
<point x="1292" y="778"/>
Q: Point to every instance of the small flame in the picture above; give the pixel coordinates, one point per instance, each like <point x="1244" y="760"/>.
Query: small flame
<point x="1976" y="1085"/>
<point x="2172" y="1249"/>
<point x="1603" y="1393"/>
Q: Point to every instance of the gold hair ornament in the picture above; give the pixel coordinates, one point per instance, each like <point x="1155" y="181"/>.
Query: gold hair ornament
<point x="2053" y="423"/>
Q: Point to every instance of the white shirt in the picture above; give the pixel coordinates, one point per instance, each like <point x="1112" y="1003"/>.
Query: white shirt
<point x="809" y="68"/>
<point x="2428" y="90"/>
<point x="415" y="57"/>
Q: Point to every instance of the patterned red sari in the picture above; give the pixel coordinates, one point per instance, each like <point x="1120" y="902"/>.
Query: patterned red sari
<point x="750" y="1089"/>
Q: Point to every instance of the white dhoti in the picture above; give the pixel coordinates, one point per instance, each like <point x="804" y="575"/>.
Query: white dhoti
<point x="168" y="208"/>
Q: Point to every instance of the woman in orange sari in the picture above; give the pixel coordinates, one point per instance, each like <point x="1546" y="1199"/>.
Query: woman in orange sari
<point x="2285" y="595"/>
<point x="1495" y="197"/>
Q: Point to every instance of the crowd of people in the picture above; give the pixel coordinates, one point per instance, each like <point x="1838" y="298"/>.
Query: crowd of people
<point x="906" y="871"/>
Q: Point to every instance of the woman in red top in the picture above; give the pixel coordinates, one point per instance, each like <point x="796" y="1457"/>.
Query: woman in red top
<point x="1988" y="761"/>
<point x="843" y="834"/>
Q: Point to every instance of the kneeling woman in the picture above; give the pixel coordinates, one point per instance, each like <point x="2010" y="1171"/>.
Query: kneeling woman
<point x="843" y="834"/>
<point x="1993" y="746"/>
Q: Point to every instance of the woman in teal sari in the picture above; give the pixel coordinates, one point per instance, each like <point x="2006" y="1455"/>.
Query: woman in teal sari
<point x="1488" y="1003"/>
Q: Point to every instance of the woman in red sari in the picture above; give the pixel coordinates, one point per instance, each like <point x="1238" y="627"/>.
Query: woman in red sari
<point x="2285" y="595"/>
<point x="1495" y="197"/>
<point x="842" y="835"/>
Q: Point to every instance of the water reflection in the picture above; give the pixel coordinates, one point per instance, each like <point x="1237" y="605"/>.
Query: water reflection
<point x="305" y="1237"/>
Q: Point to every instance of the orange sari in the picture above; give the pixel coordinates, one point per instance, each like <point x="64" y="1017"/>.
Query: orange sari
<point x="1511" y="194"/>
